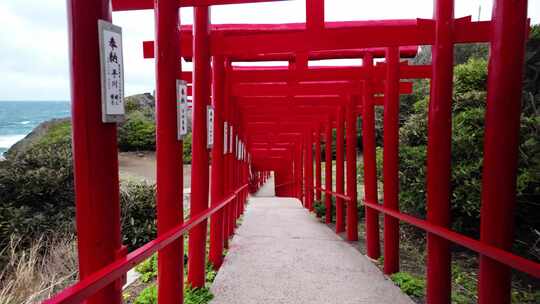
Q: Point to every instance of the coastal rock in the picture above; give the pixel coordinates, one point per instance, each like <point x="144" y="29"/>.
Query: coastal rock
<point x="33" y="137"/>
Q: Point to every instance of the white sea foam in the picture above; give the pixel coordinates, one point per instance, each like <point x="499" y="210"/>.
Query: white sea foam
<point x="25" y="122"/>
<point x="7" y="141"/>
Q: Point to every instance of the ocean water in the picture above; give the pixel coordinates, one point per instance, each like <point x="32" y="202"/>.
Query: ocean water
<point x="18" y="118"/>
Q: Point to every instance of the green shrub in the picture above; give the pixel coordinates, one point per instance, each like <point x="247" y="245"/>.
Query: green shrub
<point x="147" y="296"/>
<point x="148" y="269"/>
<point x="138" y="201"/>
<point x="319" y="208"/>
<point x="36" y="192"/>
<point x="197" y="295"/>
<point x="411" y="285"/>
<point x="187" y="149"/>
<point x="137" y="133"/>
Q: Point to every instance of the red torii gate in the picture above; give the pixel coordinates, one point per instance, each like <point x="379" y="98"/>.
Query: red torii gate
<point x="102" y="259"/>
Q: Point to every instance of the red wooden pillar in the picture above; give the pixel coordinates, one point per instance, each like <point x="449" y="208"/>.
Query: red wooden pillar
<point x="391" y="161"/>
<point x="501" y="140"/>
<point x="370" y="165"/>
<point x="199" y="162"/>
<point x="340" y="204"/>
<point x="309" y="168"/>
<point x="94" y="149"/>
<point x="298" y="170"/>
<point x="217" y="191"/>
<point x="328" y="171"/>
<point x="169" y="175"/>
<point x="352" y="208"/>
<point x="318" y="163"/>
<point x="439" y="154"/>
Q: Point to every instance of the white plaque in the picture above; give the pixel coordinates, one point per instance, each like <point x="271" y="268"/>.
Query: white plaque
<point x="112" y="72"/>
<point x="181" y="108"/>
<point x="209" y="127"/>
<point x="225" y="137"/>
<point x="230" y="139"/>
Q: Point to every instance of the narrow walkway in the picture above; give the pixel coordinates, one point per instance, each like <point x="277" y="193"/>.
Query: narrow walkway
<point x="282" y="254"/>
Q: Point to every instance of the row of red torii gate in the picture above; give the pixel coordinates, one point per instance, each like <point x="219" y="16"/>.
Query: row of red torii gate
<point x="273" y="118"/>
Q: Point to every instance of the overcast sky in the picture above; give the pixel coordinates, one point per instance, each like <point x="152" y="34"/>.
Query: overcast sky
<point x="33" y="38"/>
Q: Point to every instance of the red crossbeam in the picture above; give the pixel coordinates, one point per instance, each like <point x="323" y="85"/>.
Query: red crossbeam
<point x="130" y="5"/>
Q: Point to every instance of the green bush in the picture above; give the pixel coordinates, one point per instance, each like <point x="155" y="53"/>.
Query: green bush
<point x="148" y="269"/>
<point x="186" y="149"/>
<point x="468" y="112"/>
<point x="411" y="285"/>
<point x="138" y="201"/>
<point x="137" y="133"/>
<point x="147" y="296"/>
<point x="36" y="192"/>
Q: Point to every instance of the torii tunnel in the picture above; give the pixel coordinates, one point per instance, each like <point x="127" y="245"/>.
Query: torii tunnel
<point x="274" y="118"/>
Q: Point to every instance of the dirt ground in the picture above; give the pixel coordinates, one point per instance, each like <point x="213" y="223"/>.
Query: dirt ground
<point x="142" y="165"/>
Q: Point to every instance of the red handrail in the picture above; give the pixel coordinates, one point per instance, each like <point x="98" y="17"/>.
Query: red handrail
<point x="502" y="256"/>
<point x="339" y="195"/>
<point x="93" y="283"/>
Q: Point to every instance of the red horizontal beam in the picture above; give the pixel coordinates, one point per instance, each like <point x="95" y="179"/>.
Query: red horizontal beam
<point x="308" y="88"/>
<point x="130" y="5"/>
<point x="274" y="74"/>
<point x="85" y="288"/>
<point x="347" y="37"/>
<point x="257" y="41"/>
<point x="502" y="256"/>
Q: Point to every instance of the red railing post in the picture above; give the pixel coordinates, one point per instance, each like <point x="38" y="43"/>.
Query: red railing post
<point x="328" y="170"/>
<point x="352" y="208"/>
<point x="199" y="162"/>
<point x="340" y="204"/>
<point x="373" y="246"/>
<point x="439" y="153"/>
<point x="391" y="161"/>
<point x="94" y="149"/>
<point x="169" y="174"/>
<point x="501" y="142"/>
<point x="217" y="193"/>
<point x="298" y="170"/>
<point x="318" y="163"/>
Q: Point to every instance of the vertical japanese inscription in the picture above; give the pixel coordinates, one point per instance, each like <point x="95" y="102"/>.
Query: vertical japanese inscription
<point x="112" y="72"/>
<point x="181" y="108"/>
<point x="209" y="127"/>
<point x="225" y="138"/>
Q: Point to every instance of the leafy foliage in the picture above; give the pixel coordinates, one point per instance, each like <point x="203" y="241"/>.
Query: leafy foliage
<point x="137" y="133"/>
<point x="411" y="285"/>
<point x="138" y="201"/>
<point x="147" y="296"/>
<point x="148" y="269"/>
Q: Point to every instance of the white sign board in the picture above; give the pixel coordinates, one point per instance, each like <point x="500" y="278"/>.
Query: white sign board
<point x="225" y="137"/>
<point x="112" y="72"/>
<point x="230" y="138"/>
<point x="181" y="108"/>
<point x="209" y="127"/>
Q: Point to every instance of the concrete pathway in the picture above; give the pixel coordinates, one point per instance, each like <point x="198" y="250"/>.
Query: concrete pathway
<point x="282" y="254"/>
